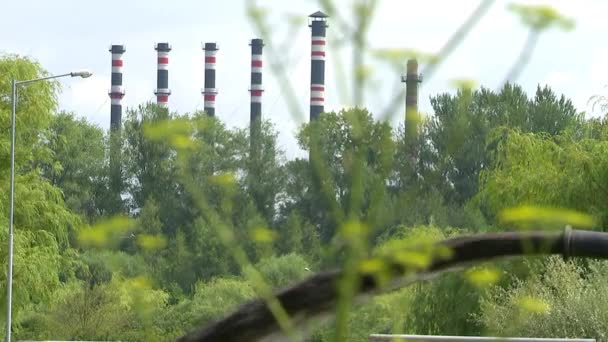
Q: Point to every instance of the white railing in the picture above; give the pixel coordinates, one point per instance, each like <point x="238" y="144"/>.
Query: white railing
<point x="438" y="338"/>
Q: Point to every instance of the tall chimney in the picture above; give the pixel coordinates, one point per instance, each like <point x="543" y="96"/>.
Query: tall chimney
<point x="116" y="95"/>
<point x="116" y="91"/>
<point x="411" y="80"/>
<point x="255" y="125"/>
<point x="255" y="118"/>
<point x="256" y="89"/>
<point x="210" y="92"/>
<point x="318" y="25"/>
<point x="162" y="90"/>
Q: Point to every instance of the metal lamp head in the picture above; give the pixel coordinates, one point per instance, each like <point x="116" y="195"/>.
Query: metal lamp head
<point x="81" y="73"/>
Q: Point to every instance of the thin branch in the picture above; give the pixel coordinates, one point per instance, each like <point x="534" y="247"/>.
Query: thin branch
<point x="523" y="59"/>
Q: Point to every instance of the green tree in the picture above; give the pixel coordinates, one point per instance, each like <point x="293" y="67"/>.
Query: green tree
<point x="151" y="170"/>
<point x="79" y="164"/>
<point x="283" y="270"/>
<point x="121" y="308"/>
<point x="540" y="170"/>
<point x="43" y="223"/>
<point x="210" y="300"/>
<point x="265" y="179"/>
<point x="296" y="235"/>
<point x="354" y="157"/>
<point x="561" y="299"/>
<point x="461" y="127"/>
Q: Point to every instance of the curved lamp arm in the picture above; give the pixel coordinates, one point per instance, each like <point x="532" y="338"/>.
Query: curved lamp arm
<point x="317" y="294"/>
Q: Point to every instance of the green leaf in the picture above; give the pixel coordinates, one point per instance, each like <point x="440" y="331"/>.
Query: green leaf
<point x="540" y="17"/>
<point x="483" y="277"/>
<point x="534" y="305"/>
<point x="263" y="235"/>
<point x="151" y="242"/>
<point x="544" y="215"/>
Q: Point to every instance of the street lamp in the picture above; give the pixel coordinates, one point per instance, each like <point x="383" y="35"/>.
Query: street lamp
<point x="9" y="278"/>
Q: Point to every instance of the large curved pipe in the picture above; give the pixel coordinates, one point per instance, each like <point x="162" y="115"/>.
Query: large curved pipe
<point x="317" y="294"/>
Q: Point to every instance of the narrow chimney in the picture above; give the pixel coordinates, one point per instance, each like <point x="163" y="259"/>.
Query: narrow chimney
<point x="210" y="92"/>
<point x="411" y="80"/>
<point x="256" y="89"/>
<point x="162" y="91"/>
<point x="255" y="122"/>
<point x="318" y="25"/>
<point x="116" y="94"/>
<point x="116" y="91"/>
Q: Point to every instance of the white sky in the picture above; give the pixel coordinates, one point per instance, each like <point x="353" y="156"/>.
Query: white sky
<point x="70" y="34"/>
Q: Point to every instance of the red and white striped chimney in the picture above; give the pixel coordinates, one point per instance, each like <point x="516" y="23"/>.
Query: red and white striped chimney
<point x="256" y="89"/>
<point x="162" y="91"/>
<point x="318" y="25"/>
<point x="116" y="91"/>
<point x="210" y="92"/>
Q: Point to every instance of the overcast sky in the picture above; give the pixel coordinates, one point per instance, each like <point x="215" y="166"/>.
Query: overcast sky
<point x="69" y="34"/>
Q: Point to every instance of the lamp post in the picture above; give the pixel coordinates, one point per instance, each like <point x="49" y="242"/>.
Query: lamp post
<point x="9" y="277"/>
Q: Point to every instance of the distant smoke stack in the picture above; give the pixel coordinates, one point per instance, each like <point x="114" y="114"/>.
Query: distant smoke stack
<point x="210" y="92"/>
<point x="116" y="91"/>
<point x="412" y="119"/>
<point x="116" y="95"/>
<point x="256" y="89"/>
<point x="411" y="80"/>
<point x="318" y="25"/>
<point x="255" y="119"/>
<point x="162" y="91"/>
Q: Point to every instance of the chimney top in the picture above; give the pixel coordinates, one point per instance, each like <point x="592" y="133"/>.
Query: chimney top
<point x="318" y="14"/>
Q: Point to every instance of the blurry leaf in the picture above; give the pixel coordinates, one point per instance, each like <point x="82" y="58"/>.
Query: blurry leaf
<point x="166" y="129"/>
<point x="151" y="242"/>
<point x="223" y="179"/>
<point x="534" y="305"/>
<point x="378" y="269"/>
<point x="182" y="142"/>
<point x="414" y="119"/>
<point x="420" y="239"/>
<point x="466" y="84"/>
<point x="116" y="223"/>
<point x="353" y="229"/>
<point x="400" y="56"/>
<point x="443" y="252"/>
<point x="415" y="259"/>
<point x="364" y="72"/>
<point x="106" y="232"/>
<point x="92" y="237"/>
<point x="483" y="277"/>
<point x="296" y="19"/>
<point x="263" y="235"/>
<point x="139" y="283"/>
<point x="547" y="216"/>
<point x="372" y="265"/>
<point x="256" y="12"/>
<point x="540" y="17"/>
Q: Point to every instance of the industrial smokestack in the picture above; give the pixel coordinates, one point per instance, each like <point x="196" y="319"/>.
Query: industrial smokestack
<point x="412" y="118"/>
<point x="255" y="125"/>
<point x="318" y="25"/>
<point x="116" y="94"/>
<point x="411" y="80"/>
<point x="256" y="89"/>
<point x="116" y="91"/>
<point x="210" y="92"/>
<point x="255" y="119"/>
<point x="162" y="90"/>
